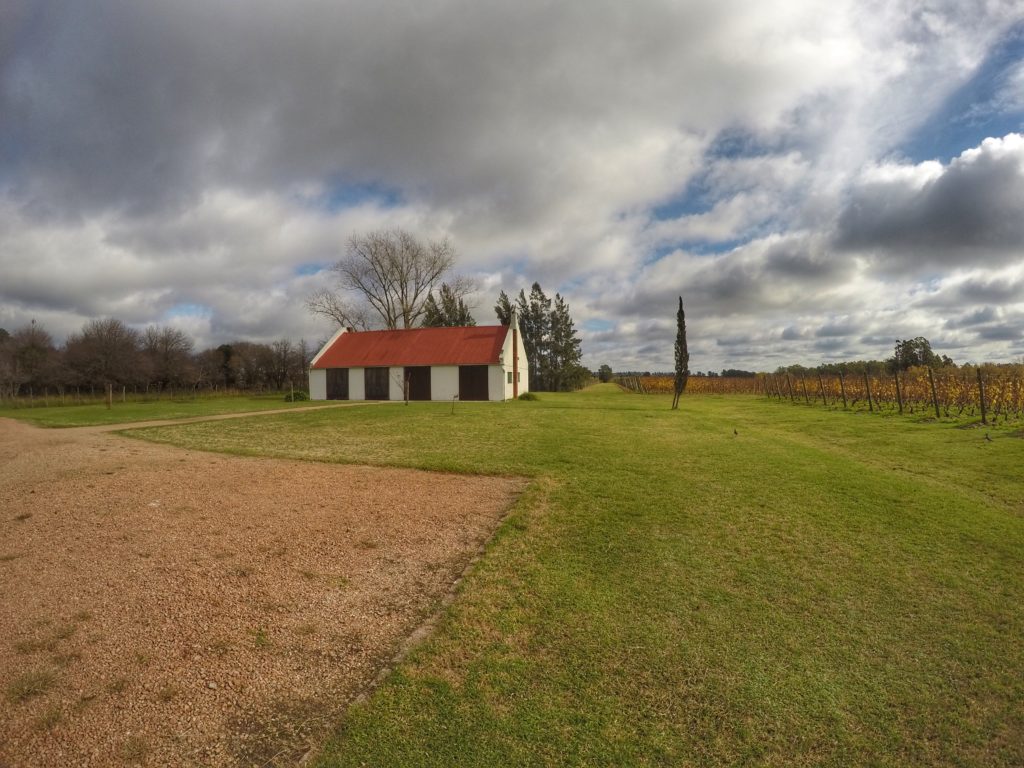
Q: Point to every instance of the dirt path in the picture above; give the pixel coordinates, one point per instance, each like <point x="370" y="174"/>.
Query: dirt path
<point x="218" y="417"/>
<point x="168" y="607"/>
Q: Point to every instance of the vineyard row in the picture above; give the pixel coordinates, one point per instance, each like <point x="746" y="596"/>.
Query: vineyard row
<point x="993" y="394"/>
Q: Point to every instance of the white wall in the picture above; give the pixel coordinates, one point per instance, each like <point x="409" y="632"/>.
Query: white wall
<point x="506" y="366"/>
<point x="318" y="384"/>
<point x="496" y="383"/>
<point x="356" y="384"/>
<point x="396" y="383"/>
<point x="444" y="382"/>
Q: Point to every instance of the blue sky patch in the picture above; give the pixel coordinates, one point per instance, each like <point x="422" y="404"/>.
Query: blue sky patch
<point x="187" y="309"/>
<point x="597" y="325"/>
<point x="341" y="195"/>
<point x="977" y="110"/>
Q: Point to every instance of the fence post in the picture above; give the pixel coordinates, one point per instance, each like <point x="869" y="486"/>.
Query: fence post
<point x="842" y="388"/>
<point x="981" y="397"/>
<point x="789" y="384"/>
<point x="803" y="383"/>
<point x="821" y="385"/>
<point x="899" y="395"/>
<point x="867" y="386"/>
<point x="110" y="396"/>
<point x="935" y="398"/>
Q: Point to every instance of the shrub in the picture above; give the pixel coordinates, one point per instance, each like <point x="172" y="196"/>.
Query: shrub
<point x="297" y="396"/>
<point x="528" y="396"/>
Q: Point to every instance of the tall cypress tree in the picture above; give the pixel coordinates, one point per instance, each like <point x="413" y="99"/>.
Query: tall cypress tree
<point x="682" y="356"/>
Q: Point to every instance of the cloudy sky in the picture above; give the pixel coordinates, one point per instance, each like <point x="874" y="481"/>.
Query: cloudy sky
<point x="815" y="179"/>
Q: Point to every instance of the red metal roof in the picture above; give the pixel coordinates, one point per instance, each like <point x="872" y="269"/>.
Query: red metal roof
<point x="479" y="345"/>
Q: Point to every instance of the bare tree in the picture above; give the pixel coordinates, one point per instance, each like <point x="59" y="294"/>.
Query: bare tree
<point x="280" y="363"/>
<point x="27" y="359"/>
<point x="105" y="352"/>
<point x="390" y="273"/>
<point x="168" y="354"/>
<point x="345" y="314"/>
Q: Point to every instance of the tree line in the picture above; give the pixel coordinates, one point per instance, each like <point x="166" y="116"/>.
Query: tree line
<point x="907" y="354"/>
<point x="107" y="352"/>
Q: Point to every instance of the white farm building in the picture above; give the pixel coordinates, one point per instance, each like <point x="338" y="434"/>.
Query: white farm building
<point x="471" y="363"/>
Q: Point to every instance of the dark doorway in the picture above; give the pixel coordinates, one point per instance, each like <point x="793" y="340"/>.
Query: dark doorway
<point x="418" y="381"/>
<point x="377" y="387"/>
<point x="337" y="383"/>
<point x="472" y="382"/>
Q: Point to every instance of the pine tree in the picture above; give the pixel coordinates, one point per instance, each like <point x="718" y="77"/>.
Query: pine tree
<point x="503" y="309"/>
<point x="552" y="348"/>
<point x="450" y="311"/>
<point x="682" y="356"/>
<point x="538" y="310"/>
<point x="564" y="353"/>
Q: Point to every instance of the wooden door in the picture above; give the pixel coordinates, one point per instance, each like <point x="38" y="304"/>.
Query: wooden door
<point x="377" y="386"/>
<point x="337" y="383"/>
<point x="472" y="382"/>
<point x="418" y="381"/>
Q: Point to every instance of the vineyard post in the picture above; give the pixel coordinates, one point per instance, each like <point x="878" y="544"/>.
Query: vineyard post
<point x="778" y="389"/>
<point x="842" y="388"/>
<point x="899" y="395"/>
<point x="821" y="386"/>
<point x="935" y="398"/>
<point x="981" y="397"/>
<point x="789" y="384"/>
<point x="803" y="383"/>
<point x="867" y="386"/>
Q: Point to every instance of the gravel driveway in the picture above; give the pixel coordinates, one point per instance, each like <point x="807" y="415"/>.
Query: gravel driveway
<point x="168" y="607"/>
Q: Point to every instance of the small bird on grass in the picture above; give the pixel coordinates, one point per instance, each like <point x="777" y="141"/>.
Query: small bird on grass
<point x="737" y="434"/>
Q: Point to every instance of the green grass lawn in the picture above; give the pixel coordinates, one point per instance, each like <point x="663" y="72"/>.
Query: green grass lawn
<point x="95" y="414"/>
<point x="824" y="588"/>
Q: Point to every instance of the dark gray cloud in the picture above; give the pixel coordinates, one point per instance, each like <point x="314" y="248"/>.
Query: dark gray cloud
<point x="1002" y="332"/>
<point x="1006" y="290"/>
<point x="969" y="212"/>
<point x="977" y="317"/>
<point x="833" y="347"/>
<point x="836" y="329"/>
<point x="793" y="272"/>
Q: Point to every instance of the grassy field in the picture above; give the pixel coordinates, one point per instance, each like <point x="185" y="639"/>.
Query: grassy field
<point x="822" y="588"/>
<point x="95" y="414"/>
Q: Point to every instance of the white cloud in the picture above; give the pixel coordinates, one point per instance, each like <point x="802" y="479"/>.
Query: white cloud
<point x="188" y="162"/>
